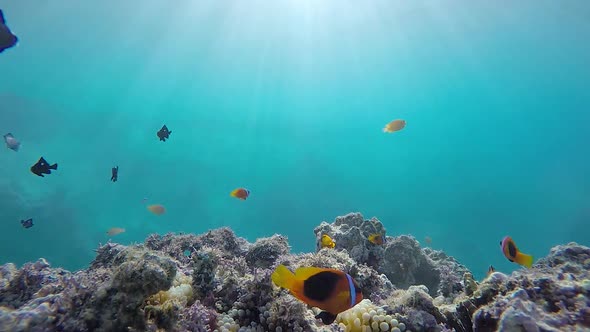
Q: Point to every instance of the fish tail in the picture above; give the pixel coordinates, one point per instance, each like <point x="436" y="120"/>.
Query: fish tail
<point x="283" y="277"/>
<point x="234" y="193"/>
<point x="54" y="166"/>
<point x="524" y="259"/>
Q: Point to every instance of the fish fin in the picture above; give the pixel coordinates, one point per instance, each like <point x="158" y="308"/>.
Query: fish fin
<point x="524" y="259"/>
<point x="326" y="317"/>
<point x="9" y="135"/>
<point x="54" y="166"/>
<point x="234" y="193"/>
<point x="2" y="20"/>
<point x="169" y="132"/>
<point x="303" y="273"/>
<point x="283" y="277"/>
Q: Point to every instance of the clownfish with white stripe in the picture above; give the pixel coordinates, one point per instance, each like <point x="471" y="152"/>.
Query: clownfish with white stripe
<point x="332" y="291"/>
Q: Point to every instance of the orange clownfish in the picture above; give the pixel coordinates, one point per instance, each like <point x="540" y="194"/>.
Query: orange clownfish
<point x="332" y="291"/>
<point x="511" y="252"/>
<point x="241" y="193"/>
<point x="327" y="242"/>
<point x="376" y="239"/>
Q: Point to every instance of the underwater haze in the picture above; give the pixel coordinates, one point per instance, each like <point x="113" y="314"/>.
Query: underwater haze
<point x="288" y="98"/>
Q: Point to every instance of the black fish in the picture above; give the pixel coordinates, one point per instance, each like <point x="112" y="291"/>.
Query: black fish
<point x="7" y="38"/>
<point x="164" y="133"/>
<point x="115" y="172"/>
<point x="27" y="223"/>
<point x="42" y="167"/>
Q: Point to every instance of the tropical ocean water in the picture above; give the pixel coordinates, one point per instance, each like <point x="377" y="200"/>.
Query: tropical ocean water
<point x="288" y="98"/>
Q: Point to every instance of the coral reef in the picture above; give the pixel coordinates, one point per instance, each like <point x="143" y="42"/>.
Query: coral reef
<point x="220" y="282"/>
<point x="400" y="258"/>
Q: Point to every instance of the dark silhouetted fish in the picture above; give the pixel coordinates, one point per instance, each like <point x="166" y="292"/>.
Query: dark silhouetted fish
<point x="7" y="38"/>
<point x="164" y="133"/>
<point x="11" y="142"/>
<point x="27" y="223"/>
<point x="115" y="174"/>
<point x="42" y="167"/>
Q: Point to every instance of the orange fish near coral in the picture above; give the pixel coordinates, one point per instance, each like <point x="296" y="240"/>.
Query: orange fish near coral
<point x="327" y="242"/>
<point x="241" y="193"/>
<point x="331" y="290"/>
<point x="511" y="252"/>
<point x="491" y="270"/>
<point x="115" y="230"/>
<point x="393" y="126"/>
<point x="157" y="209"/>
<point x="376" y="239"/>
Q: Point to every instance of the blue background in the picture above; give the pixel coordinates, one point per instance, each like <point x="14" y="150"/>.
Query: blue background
<point x="288" y="99"/>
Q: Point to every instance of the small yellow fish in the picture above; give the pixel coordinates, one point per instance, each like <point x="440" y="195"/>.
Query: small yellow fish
<point x="395" y="125"/>
<point x="491" y="270"/>
<point x="376" y="239"/>
<point x="115" y="230"/>
<point x="327" y="242"/>
<point x="157" y="209"/>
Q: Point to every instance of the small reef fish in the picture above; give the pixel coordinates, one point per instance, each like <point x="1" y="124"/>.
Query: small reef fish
<point x="164" y="133"/>
<point x="514" y="255"/>
<point x="115" y="173"/>
<point x="491" y="270"/>
<point x="393" y="126"/>
<point x="327" y="242"/>
<point x="241" y="193"/>
<point x="7" y="38"/>
<point x="27" y="223"/>
<point x="332" y="291"/>
<point x="115" y="230"/>
<point x="156" y="209"/>
<point x="11" y="142"/>
<point x="376" y="239"/>
<point x="427" y="239"/>
<point x="42" y="167"/>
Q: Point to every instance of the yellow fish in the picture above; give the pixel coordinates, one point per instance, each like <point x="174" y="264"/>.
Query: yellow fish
<point x="327" y="242"/>
<point x="491" y="270"/>
<point x="115" y="230"/>
<point x="376" y="239"/>
<point x="156" y="209"/>
<point x="393" y="126"/>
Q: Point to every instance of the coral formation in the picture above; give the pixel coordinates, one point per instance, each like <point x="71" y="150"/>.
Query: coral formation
<point x="220" y="282"/>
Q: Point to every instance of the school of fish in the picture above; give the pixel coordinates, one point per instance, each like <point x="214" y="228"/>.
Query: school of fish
<point x="330" y="290"/>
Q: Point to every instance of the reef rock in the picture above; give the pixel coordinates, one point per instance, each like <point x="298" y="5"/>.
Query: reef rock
<point x="219" y="282"/>
<point x="400" y="258"/>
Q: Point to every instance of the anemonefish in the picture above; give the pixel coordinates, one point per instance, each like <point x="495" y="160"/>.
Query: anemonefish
<point x="511" y="252"/>
<point x="327" y="242"/>
<point x="332" y="291"/>
<point x="376" y="239"/>
<point x="393" y="126"/>
<point x="241" y="193"/>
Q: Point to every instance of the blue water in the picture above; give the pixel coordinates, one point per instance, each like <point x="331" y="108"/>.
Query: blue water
<point x="288" y="98"/>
